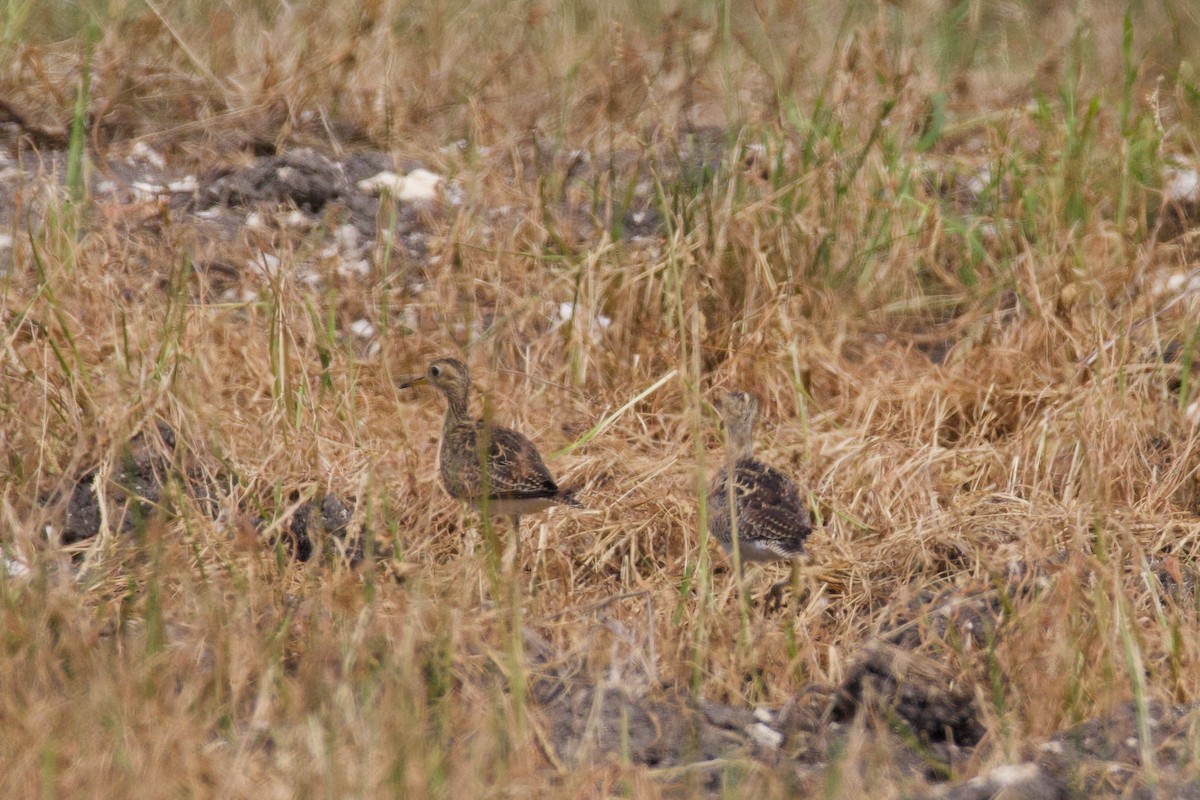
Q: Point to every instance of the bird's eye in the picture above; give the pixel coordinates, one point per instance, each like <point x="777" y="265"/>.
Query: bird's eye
<point x="435" y="370"/>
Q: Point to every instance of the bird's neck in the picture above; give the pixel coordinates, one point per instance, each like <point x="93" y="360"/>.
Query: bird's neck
<point x="739" y="441"/>
<point x="456" y="411"/>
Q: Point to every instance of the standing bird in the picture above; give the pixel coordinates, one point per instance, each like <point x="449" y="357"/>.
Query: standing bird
<point x="495" y="469"/>
<point x="752" y="506"/>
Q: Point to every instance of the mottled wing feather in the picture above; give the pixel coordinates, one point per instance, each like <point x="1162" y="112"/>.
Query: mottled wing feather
<point x="516" y="470"/>
<point x="770" y="511"/>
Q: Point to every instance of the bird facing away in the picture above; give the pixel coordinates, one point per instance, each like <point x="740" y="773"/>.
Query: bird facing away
<point x="757" y="502"/>
<point x="492" y="468"/>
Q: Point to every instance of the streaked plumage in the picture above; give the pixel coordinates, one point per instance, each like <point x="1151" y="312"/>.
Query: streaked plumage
<point x="484" y="464"/>
<point x="771" y="519"/>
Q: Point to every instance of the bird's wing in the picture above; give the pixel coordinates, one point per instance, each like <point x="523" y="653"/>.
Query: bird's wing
<point x="515" y="469"/>
<point x="769" y="504"/>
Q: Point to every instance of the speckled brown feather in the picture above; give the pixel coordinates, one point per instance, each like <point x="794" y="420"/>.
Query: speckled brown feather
<point x="771" y="518"/>
<point x="475" y="455"/>
<point x="515" y="470"/>
<point x="772" y="521"/>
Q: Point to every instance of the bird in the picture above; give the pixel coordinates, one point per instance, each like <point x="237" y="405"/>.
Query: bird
<point x="753" y="507"/>
<point x="494" y="469"/>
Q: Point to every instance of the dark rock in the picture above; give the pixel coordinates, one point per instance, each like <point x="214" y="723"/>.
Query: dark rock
<point x="134" y="491"/>
<point x="927" y="696"/>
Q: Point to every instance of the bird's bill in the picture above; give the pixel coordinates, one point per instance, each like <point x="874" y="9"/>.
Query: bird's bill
<point x="419" y="380"/>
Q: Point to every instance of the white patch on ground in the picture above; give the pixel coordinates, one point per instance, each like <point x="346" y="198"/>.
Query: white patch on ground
<point x="1192" y="414"/>
<point x="297" y="219"/>
<point x="15" y="568"/>
<point x="146" y="153"/>
<point x="6" y="241"/>
<point x="765" y="737"/>
<point x="346" y="238"/>
<point x="310" y="277"/>
<point x="264" y="264"/>
<point x="144" y="190"/>
<point x="362" y="328"/>
<point x="979" y="181"/>
<point x="1183" y="185"/>
<point x="1174" y="284"/>
<point x="454" y="194"/>
<point x="185" y="185"/>
<point x="358" y="268"/>
<point x="593" y="324"/>
<point x="418" y="186"/>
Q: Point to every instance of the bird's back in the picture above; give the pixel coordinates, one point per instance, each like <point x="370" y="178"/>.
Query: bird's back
<point x="772" y="521"/>
<point x="474" y="455"/>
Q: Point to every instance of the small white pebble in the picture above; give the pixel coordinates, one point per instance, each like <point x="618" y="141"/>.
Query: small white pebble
<point x="1183" y="185"/>
<point x="566" y="311"/>
<point x="764" y="736"/>
<point x="764" y="715"/>
<point x="255" y="220"/>
<point x="15" y="568"/>
<point x="1010" y="774"/>
<point x="454" y="194"/>
<point x="386" y="181"/>
<point x="418" y="186"/>
<point x="6" y="241"/>
<point x="144" y="190"/>
<point x="410" y="316"/>
<point x="362" y="328"/>
<point x="979" y="181"/>
<point x="359" y="268"/>
<point x="297" y="219"/>
<point x="346" y="237"/>
<point x="148" y="154"/>
<point x="105" y="187"/>
<point x="209" y="213"/>
<point x="310" y="277"/>
<point x="185" y="185"/>
<point x="264" y="264"/>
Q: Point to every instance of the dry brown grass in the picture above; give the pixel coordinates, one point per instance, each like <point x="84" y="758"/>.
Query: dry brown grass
<point x="1046" y="460"/>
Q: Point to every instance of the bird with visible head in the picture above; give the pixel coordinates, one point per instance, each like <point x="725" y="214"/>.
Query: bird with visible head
<point x="754" y="510"/>
<point x="495" y="469"/>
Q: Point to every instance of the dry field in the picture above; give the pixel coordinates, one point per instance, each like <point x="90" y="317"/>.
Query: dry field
<point x="948" y="244"/>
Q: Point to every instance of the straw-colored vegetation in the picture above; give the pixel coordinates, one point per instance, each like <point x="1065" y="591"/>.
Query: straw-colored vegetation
<point x="933" y="238"/>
